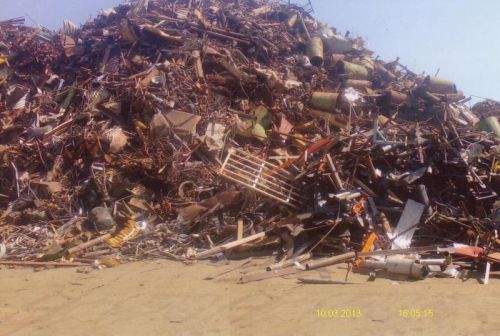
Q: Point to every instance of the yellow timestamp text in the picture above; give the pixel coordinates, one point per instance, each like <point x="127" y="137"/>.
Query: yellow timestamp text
<point x="345" y="313"/>
<point x="416" y="313"/>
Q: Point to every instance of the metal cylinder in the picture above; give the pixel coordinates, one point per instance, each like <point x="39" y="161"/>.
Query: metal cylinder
<point x="384" y="73"/>
<point x="407" y="267"/>
<point x="373" y="264"/>
<point x="440" y="85"/>
<point x="367" y="62"/>
<point x="315" y="51"/>
<point x="335" y="58"/>
<point x="400" y="266"/>
<point x="396" y="98"/>
<point x="336" y="120"/>
<point x="326" y="101"/>
<point x="347" y="195"/>
<point x="387" y="148"/>
<point x="354" y="71"/>
<point x="491" y="124"/>
<point x="356" y="83"/>
<point x="338" y="44"/>
<point x="436" y="261"/>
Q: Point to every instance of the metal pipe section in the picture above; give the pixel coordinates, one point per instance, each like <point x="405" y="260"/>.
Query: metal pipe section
<point x="326" y="101"/>
<point x="356" y="83"/>
<point x="315" y="51"/>
<point x="492" y="124"/>
<point x="331" y="261"/>
<point x="406" y="267"/>
<point x="353" y="71"/>
<point x="440" y="85"/>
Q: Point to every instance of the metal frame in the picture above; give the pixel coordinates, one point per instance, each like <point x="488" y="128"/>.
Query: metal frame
<point x="264" y="177"/>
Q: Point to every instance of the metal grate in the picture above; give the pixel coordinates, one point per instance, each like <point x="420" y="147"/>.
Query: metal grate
<point x="261" y="176"/>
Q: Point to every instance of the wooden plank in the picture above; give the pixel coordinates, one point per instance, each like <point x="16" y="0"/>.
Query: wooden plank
<point x="229" y="246"/>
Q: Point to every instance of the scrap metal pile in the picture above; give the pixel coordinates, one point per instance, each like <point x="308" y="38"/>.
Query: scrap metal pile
<point x="208" y="129"/>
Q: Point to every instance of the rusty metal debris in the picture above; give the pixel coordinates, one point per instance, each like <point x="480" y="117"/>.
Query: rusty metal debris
<point x="193" y="130"/>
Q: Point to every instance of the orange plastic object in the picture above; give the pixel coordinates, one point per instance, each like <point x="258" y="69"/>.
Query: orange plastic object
<point x="367" y="246"/>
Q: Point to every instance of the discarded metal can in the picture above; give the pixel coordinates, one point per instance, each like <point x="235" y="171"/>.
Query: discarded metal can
<point x="326" y="101"/>
<point x="352" y="70"/>
<point x="315" y="51"/>
<point x="356" y="83"/>
<point x="439" y="85"/>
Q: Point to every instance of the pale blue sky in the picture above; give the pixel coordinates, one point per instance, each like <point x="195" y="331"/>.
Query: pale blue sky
<point x="459" y="37"/>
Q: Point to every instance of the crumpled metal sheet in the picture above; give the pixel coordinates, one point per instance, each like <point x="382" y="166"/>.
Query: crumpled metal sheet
<point x="407" y="224"/>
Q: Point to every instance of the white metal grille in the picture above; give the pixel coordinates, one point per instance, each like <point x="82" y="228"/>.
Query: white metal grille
<point x="261" y="176"/>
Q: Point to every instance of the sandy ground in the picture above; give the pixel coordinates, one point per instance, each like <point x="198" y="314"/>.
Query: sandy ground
<point x="168" y="298"/>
